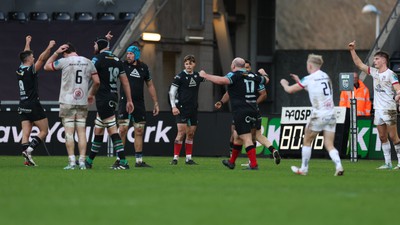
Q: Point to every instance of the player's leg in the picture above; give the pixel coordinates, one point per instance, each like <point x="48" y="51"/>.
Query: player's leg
<point x="181" y="126"/>
<point x="309" y="136"/>
<point x="190" y="131"/>
<point x="394" y="137"/>
<point x="139" y="132"/>
<point x="250" y="149"/>
<point x="69" y="129"/>
<point x="26" y="131"/>
<point x="383" y="136"/>
<point x="111" y="125"/>
<point x="329" y="138"/>
<point x="266" y="143"/>
<point x="97" y="141"/>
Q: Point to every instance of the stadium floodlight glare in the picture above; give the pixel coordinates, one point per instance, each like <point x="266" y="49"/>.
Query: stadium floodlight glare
<point x="151" y="36"/>
<point x="369" y="8"/>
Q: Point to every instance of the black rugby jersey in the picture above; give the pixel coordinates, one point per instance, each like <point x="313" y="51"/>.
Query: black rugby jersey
<point x="28" y="83"/>
<point x="137" y="76"/>
<point x="109" y="68"/>
<point x="243" y="90"/>
<point x="188" y="89"/>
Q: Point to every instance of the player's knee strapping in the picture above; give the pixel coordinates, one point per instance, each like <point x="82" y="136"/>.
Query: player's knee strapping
<point x="81" y="122"/>
<point x="124" y="122"/>
<point x="138" y="125"/>
<point x="68" y="122"/>
<point x="99" y="123"/>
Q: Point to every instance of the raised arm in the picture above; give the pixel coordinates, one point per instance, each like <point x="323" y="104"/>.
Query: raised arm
<point x="48" y="66"/>
<point x="215" y="79"/>
<point x="28" y="40"/>
<point x="44" y="56"/>
<point x="290" y="88"/>
<point x="357" y="61"/>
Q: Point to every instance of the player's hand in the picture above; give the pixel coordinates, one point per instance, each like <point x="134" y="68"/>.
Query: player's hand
<point x="262" y="72"/>
<point x="129" y="107"/>
<point x="28" y="39"/>
<point x="109" y="36"/>
<point x="352" y="45"/>
<point x="62" y="49"/>
<point x="52" y="43"/>
<point x="91" y="99"/>
<point x="156" y="109"/>
<point x="284" y="82"/>
<point x="295" y="77"/>
<point x="218" y="105"/>
<point x="175" y="111"/>
<point x="202" y="73"/>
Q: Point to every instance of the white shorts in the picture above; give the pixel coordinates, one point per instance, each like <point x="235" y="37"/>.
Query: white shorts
<point x="322" y="123"/>
<point x="384" y="116"/>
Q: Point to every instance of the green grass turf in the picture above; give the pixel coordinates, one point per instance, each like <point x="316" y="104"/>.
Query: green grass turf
<point x="205" y="194"/>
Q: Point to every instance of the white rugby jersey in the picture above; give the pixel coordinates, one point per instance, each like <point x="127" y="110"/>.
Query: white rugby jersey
<point x="319" y="87"/>
<point x="77" y="71"/>
<point x="383" y="88"/>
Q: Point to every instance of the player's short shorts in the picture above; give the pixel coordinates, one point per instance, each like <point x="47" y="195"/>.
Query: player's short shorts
<point x="246" y="121"/>
<point x="322" y="123"/>
<point x="388" y="117"/>
<point x="32" y="111"/>
<point x="137" y="116"/>
<point x="106" y="108"/>
<point x="68" y="111"/>
<point x="187" y="117"/>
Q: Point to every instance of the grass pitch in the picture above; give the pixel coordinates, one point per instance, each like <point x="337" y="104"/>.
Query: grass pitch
<point x="207" y="193"/>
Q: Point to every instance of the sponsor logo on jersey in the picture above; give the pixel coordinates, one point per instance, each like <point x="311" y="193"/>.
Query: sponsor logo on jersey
<point x="192" y="83"/>
<point x="135" y="73"/>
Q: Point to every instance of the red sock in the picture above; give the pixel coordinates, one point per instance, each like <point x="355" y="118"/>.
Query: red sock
<point x="235" y="153"/>
<point x="251" y="153"/>
<point x="189" y="147"/>
<point x="177" y="147"/>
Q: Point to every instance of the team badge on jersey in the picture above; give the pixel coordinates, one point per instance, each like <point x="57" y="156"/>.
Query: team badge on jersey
<point x="135" y="73"/>
<point x="192" y="83"/>
<point x="78" y="93"/>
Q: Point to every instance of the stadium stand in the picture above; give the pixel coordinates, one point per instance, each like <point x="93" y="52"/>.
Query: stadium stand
<point x="39" y="16"/>
<point x="126" y="15"/>
<point x="105" y="16"/>
<point x="17" y="15"/>
<point x="62" y="16"/>
<point x="83" y="16"/>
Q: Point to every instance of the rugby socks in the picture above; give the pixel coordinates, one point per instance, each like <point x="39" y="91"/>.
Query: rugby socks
<point x="334" y="154"/>
<point x="235" y="153"/>
<point x="119" y="148"/>
<point x="386" y="153"/>
<point x="139" y="157"/>
<point x="397" y="148"/>
<point x="24" y="146"/>
<point x="72" y="160"/>
<point x="305" y="158"/>
<point x="251" y="154"/>
<point x="271" y="149"/>
<point x="177" y="149"/>
<point x="33" y="144"/>
<point x="188" y="149"/>
<point x="96" y="145"/>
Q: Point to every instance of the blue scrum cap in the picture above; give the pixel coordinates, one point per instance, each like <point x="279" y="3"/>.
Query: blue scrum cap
<point x="135" y="50"/>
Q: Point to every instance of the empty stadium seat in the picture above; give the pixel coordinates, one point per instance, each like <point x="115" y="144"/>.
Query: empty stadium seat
<point x="83" y="16"/>
<point x="61" y="16"/>
<point x="126" y="15"/>
<point x="39" y="16"/>
<point x="105" y="16"/>
<point x="17" y="15"/>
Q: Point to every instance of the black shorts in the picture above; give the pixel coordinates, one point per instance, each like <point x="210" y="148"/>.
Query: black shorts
<point x="32" y="111"/>
<point x="137" y="116"/>
<point x="188" y="117"/>
<point x="106" y="108"/>
<point x="246" y="121"/>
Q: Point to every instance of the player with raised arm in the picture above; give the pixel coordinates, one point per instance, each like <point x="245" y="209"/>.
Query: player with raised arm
<point x="30" y="110"/>
<point x="322" y="117"/>
<point x="75" y="95"/>
<point x="109" y="69"/>
<point x="386" y="85"/>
